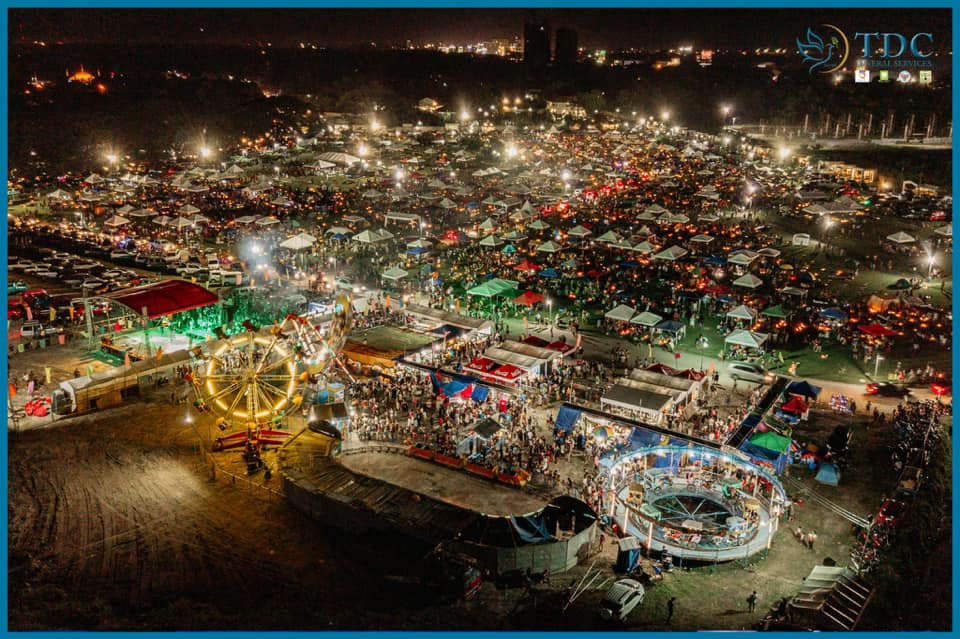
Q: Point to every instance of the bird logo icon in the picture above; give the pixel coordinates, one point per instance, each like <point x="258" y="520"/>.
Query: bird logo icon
<point x="825" y="57"/>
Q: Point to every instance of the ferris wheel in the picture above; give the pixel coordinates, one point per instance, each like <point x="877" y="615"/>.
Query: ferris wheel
<point x="255" y="379"/>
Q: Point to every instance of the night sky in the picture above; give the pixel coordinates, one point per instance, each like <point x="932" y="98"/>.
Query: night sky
<point x="610" y="28"/>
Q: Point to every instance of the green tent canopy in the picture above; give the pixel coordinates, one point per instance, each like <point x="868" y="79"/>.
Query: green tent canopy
<point x="774" y="311"/>
<point x="771" y="441"/>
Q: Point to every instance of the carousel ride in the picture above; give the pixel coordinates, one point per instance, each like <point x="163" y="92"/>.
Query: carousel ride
<point x="254" y="382"/>
<point x="697" y="504"/>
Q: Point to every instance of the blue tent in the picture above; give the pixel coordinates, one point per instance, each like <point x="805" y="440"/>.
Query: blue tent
<point x="416" y="250"/>
<point x="471" y="205"/>
<point x="716" y="260"/>
<point x="804" y="389"/>
<point x="630" y="264"/>
<point x="669" y="326"/>
<point x="479" y="393"/>
<point x="450" y="389"/>
<point x="765" y="456"/>
<point x="509" y="248"/>
<point x="428" y="269"/>
<point x="643" y="438"/>
<point x="549" y="272"/>
<point x="828" y="474"/>
<point x="834" y="314"/>
<point x="567" y="418"/>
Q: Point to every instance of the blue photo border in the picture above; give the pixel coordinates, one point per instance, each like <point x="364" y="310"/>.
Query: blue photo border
<point x="448" y="4"/>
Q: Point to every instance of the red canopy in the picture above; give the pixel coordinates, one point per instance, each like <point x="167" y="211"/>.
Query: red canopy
<point x="663" y="368"/>
<point x="164" y="298"/>
<point x="533" y="340"/>
<point x="528" y="298"/>
<point x="717" y="289"/>
<point x="560" y="347"/>
<point x="508" y="372"/>
<point x="877" y="330"/>
<point x="482" y="364"/>
<point x="594" y="273"/>
<point x="795" y="405"/>
<point x="527" y="265"/>
<point x="692" y="374"/>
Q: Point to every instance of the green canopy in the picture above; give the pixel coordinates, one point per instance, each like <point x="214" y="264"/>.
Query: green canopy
<point x="774" y="311"/>
<point x="771" y="441"/>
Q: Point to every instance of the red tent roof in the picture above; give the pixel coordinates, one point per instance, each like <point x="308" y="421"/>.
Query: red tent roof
<point x="482" y="364"/>
<point x="164" y="298"/>
<point x="508" y="372"/>
<point x="527" y="265"/>
<point x="795" y="405"/>
<point x="560" y="347"/>
<point x="877" y="330"/>
<point x="662" y="368"/>
<point x="528" y="298"/>
<point x="533" y="340"/>
<point x="692" y="374"/>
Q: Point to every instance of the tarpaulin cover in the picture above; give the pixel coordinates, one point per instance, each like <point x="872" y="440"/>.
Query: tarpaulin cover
<point x="450" y="389"/>
<point x="795" y="405"/>
<point x="531" y="529"/>
<point x="486" y="428"/>
<point x="828" y="474"/>
<point x="680" y="443"/>
<point x="643" y="438"/>
<point x="567" y="418"/>
<point x="480" y="393"/>
<point x="765" y="456"/>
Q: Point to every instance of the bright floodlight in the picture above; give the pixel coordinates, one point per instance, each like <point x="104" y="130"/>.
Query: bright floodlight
<point x="565" y="175"/>
<point x="112" y="158"/>
<point x="783" y="152"/>
<point x="398" y="175"/>
<point x="726" y="109"/>
<point x="362" y="150"/>
<point x="665" y="115"/>
<point x="511" y="151"/>
<point x="465" y="115"/>
<point x="374" y="125"/>
<point x="205" y="152"/>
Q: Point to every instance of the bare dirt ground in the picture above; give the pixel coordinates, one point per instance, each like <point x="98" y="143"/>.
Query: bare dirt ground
<point x="115" y="523"/>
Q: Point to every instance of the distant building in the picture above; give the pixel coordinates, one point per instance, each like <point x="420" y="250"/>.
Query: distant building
<point x="536" y="46"/>
<point x="563" y="108"/>
<point x="566" y="51"/>
<point x="428" y="105"/>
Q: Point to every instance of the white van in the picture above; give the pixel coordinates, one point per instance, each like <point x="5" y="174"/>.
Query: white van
<point x="621" y="599"/>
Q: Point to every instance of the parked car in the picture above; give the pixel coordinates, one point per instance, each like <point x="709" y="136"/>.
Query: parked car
<point x="891" y="512"/>
<point x="886" y="389"/>
<point x="33" y="328"/>
<point x="749" y="373"/>
<point x="621" y="599"/>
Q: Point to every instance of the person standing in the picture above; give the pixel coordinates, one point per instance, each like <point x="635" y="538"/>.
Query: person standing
<point x="670" y="608"/>
<point x="752" y="601"/>
<point x="811" y="539"/>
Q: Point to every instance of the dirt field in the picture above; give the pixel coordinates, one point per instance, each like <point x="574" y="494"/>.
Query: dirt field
<point x="116" y="524"/>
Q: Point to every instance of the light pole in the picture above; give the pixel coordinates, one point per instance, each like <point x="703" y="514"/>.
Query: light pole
<point x="827" y="223"/>
<point x="931" y="260"/>
<point x="876" y="365"/>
